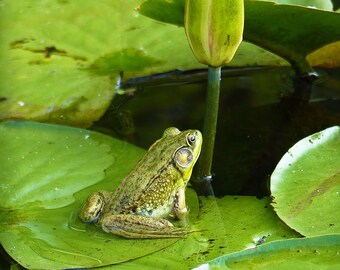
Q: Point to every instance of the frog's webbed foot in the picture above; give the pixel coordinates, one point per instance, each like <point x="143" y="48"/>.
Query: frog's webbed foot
<point x="138" y="226"/>
<point x="93" y="206"/>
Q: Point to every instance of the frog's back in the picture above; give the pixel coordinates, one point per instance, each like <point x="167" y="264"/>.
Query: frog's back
<point x="151" y="179"/>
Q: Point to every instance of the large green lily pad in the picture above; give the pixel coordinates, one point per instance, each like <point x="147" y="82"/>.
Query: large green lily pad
<point x="229" y="224"/>
<point x="46" y="173"/>
<point x="305" y="184"/>
<point x="315" y="253"/>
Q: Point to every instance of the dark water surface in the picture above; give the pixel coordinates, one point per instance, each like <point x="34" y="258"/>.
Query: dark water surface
<point x="260" y="118"/>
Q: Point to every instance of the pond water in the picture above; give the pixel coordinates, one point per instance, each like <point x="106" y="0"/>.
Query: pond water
<point x="259" y="118"/>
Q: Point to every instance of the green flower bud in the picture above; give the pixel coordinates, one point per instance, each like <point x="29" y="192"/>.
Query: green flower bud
<point x="214" y="29"/>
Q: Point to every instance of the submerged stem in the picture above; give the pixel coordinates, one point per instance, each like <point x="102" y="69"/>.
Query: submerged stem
<point x="203" y="168"/>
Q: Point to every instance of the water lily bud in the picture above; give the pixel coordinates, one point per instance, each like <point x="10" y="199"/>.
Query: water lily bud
<point x="214" y="29"/>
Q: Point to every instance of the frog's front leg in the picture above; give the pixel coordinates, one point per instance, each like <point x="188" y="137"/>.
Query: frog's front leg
<point x="138" y="226"/>
<point x="180" y="208"/>
<point x="94" y="205"/>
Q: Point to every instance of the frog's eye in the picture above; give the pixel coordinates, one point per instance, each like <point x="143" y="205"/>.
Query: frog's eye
<point x="191" y="139"/>
<point x="184" y="157"/>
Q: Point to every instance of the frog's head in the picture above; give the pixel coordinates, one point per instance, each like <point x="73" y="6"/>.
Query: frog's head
<point x="92" y="208"/>
<point x="187" y="154"/>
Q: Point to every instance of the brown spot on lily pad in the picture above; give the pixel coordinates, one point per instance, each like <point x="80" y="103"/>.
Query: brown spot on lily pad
<point x="124" y="60"/>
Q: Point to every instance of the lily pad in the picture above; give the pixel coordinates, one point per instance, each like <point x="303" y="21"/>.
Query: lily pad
<point x="314" y="253"/>
<point x="229" y="224"/>
<point x="305" y="184"/>
<point x="46" y="173"/>
<point x="64" y="65"/>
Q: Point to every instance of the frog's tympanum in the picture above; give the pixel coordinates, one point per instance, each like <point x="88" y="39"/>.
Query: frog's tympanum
<point x="153" y="190"/>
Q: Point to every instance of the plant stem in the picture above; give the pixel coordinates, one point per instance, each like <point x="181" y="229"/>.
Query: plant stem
<point x="203" y="171"/>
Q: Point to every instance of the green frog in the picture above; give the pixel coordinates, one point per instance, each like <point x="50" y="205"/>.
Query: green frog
<point x="153" y="190"/>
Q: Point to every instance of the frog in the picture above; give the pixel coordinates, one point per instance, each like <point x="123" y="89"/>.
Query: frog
<point x="151" y="193"/>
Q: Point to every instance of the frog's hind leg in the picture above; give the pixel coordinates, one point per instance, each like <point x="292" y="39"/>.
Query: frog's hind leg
<point x="138" y="226"/>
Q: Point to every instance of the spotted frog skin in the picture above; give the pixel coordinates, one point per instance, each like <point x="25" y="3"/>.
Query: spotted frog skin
<point x="154" y="189"/>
